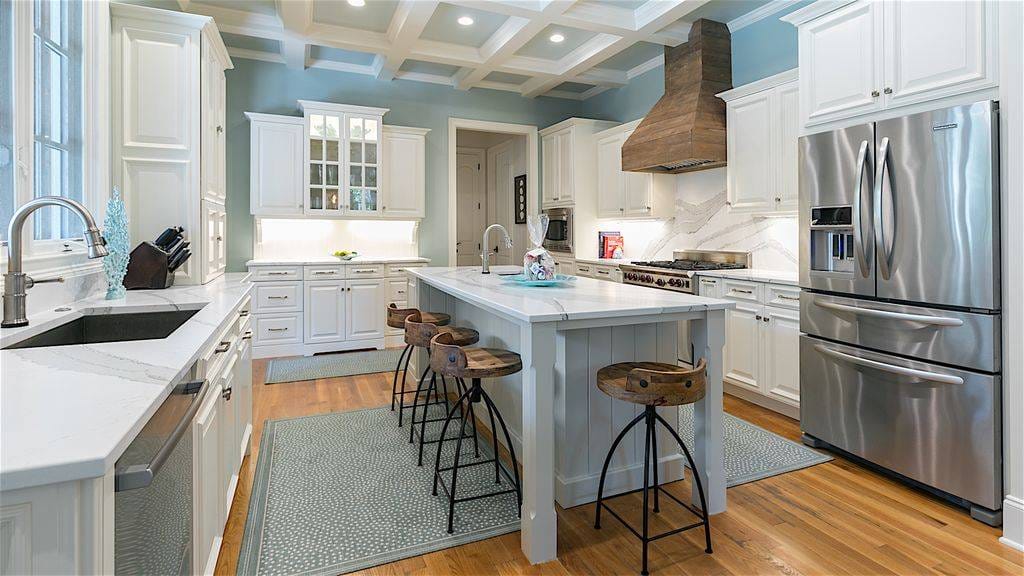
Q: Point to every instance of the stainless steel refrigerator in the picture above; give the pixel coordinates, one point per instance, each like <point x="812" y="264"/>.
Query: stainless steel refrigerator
<point x="900" y="309"/>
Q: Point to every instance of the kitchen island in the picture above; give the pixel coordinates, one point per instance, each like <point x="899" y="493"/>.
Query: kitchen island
<point x="562" y="424"/>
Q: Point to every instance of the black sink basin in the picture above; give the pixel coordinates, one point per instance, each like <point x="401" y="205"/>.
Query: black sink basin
<point x="96" y="328"/>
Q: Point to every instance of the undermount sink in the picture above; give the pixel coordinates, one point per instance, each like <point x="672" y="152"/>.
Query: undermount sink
<point x="97" y="328"/>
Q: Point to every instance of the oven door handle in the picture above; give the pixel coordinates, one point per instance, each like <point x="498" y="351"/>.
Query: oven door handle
<point x="892" y="369"/>
<point x="136" y="476"/>
<point x="888" y="315"/>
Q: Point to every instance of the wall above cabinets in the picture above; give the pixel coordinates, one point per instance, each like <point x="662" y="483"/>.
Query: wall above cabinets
<point x="336" y="161"/>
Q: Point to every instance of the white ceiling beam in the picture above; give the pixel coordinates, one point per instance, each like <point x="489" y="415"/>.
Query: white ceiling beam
<point x="410" y="17"/>
<point x="445" y="53"/>
<point x="296" y="17"/>
<point x="255" y="55"/>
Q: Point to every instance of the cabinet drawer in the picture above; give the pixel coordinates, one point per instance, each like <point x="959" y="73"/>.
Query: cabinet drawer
<point x="279" y="297"/>
<point x="398" y="290"/>
<point x="605" y="272"/>
<point x="782" y="296"/>
<point x="585" y="270"/>
<point x="398" y="268"/>
<point x="364" y="271"/>
<point x="278" y="329"/>
<point x="709" y="287"/>
<point x="335" y="272"/>
<point x="276" y="273"/>
<point x="740" y="290"/>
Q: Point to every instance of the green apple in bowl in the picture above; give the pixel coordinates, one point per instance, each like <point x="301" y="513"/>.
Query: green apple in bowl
<point x="346" y="254"/>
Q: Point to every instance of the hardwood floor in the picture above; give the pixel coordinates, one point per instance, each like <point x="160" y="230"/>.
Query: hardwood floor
<point x="834" y="518"/>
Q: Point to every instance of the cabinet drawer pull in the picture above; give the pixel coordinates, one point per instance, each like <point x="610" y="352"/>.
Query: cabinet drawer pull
<point x="742" y="291"/>
<point x="786" y="297"/>
<point x="222" y="348"/>
<point x="226" y="394"/>
<point x="277" y="329"/>
<point x="758" y="317"/>
<point x="279" y="273"/>
<point x="323" y="272"/>
<point x="703" y="281"/>
<point x="605" y="272"/>
<point x="363" y="271"/>
<point x="277" y="297"/>
<point x="247" y="335"/>
<point x="243" y="313"/>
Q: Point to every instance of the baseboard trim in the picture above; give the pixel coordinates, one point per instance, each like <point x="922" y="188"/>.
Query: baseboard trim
<point x="762" y="401"/>
<point x="1013" y="522"/>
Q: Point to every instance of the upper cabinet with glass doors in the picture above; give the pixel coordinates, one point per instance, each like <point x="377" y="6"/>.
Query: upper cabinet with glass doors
<point x="343" y="159"/>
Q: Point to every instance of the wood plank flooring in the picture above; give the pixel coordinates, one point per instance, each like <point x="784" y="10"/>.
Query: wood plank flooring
<point x="834" y="518"/>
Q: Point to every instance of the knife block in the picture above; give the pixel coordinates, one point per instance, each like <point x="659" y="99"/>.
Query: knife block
<point x="147" y="268"/>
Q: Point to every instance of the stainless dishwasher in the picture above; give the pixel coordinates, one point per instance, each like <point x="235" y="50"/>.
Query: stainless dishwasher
<point x="153" y="488"/>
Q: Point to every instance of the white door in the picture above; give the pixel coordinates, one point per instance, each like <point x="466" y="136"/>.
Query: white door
<point x="743" y="344"/>
<point x="214" y="236"/>
<point x="206" y="477"/>
<point x="471" y="206"/>
<point x="841" y="63"/>
<point x="610" y="203"/>
<point x="212" y="139"/>
<point x="565" y="191"/>
<point x="550" y="169"/>
<point x="275" y="172"/>
<point x="229" y="455"/>
<point x="938" y="48"/>
<point x="750" y="158"/>
<point x="638" y="193"/>
<point x="243" y="396"/>
<point x="324" y="310"/>
<point x="364" y="155"/>
<point x="404" y="176"/>
<point x="787" y="133"/>
<point x="781" y="329"/>
<point x="500" y="175"/>
<point x="365" y="303"/>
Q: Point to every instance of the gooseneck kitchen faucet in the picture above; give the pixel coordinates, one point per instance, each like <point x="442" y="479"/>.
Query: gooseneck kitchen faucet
<point x="15" y="281"/>
<point x="485" y="254"/>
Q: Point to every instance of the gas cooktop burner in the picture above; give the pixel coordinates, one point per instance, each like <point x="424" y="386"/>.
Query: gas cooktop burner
<point x="689" y="265"/>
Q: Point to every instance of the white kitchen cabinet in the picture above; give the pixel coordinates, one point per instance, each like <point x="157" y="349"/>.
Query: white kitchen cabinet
<point x="569" y="157"/>
<point x="208" y="507"/>
<point x="403" y="185"/>
<point x="763" y="119"/>
<point x="864" y="56"/>
<point x="365" y="302"/>
<point x="564" y="264"/>
<point x="243" y="390"/>
<point x="324" y="302"/>
<point x="167" y="126"/>
<point x="622" y="194"/>
<point x="230" y="459"/>
<point x="275" y="164"/>
<point x="215" y="251"/>
<point x="742" y="358"/>
<point x="781" y="346"/>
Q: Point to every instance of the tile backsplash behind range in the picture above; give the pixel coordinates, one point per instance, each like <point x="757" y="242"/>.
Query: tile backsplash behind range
<point x="703" y="222"/>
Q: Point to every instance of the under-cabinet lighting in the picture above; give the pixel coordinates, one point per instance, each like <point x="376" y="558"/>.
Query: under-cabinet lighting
<point x="357" y="3"/>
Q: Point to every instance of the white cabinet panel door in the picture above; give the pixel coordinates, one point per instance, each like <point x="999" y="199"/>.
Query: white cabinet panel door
<point x="275" y="170"/>
<point x="550" y="168"/>
<point x="750" y="162"/>
<point x="215" y="218"/>
<point x="243" y="396"/>
<point x="212" y="139"/>
<point x="325" y="311"/>
<point x="743" y="344"/>
<point x="566" y="163"/>
<point x="938" y="48"/>
<point x="404" y="175"/>
<point x="365" y="309"/>
<point x="610" y="203"/>
<point x="787" y="134"/>
<point x="841" y="63"/>
<point x="782" y="354"/>
<point x="637" y="193"/>
<point x="206" y="431"/>
<point x="229" y="455"/>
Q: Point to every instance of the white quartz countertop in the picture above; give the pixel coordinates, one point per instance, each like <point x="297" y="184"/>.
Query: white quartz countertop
<point x="315" y="260"/>
<point x="755" y="275"/>
<point x="585" y="298"/>
<point x="68" y="412"/>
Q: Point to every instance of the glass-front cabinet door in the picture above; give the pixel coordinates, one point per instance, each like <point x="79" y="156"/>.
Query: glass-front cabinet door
<point x="363" y="164"/>
<point x="325" y="163"/>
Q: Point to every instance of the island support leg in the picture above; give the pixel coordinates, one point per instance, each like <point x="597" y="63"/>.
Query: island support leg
<point x="708" y="338"/>
<point x="539" y="524"/>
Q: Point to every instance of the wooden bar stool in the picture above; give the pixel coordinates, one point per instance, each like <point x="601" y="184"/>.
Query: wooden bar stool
<point x="654" y="384"/>
<point x="396" y="319"/>
<point x="418" y="334"/>
<point x="449" y="359"/>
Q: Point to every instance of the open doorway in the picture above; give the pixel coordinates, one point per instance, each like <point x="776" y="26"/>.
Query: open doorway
<point x="484" y="162"/>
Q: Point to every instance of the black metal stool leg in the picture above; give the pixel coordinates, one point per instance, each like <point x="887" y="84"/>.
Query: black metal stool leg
<point x="654" y="460"/>
<point x="472" y="419"/>
<point x="426" y="414"/>
<point x="444" y="430"/>
<point x="394" y="380"/>
<point x="405" y="376"/>
<point x="696" y="479"/>
<point x="455" y="473"/>
<point x="508" y="442"/>
<point x="416" y="400"/>
<point x="648" y="431"/>
<point x="607" y="461"/>
<point x="494" y="439"/>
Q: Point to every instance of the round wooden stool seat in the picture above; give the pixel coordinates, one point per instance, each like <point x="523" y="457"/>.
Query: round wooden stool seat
<point x="460" y="335"/>
<point x="419" y="333"/>
<point x="396" y="317"/>
<point x="653" y="383"/>
<point x="452" y="359"/>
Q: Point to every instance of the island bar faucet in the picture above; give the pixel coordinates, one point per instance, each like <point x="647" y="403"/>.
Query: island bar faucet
<point x="15" y="281"/>
<point x="485" y="254"/>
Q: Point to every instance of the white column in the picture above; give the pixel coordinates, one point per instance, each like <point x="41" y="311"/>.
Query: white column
<point x="708" y="337"/>
<point x="539" y="530"/>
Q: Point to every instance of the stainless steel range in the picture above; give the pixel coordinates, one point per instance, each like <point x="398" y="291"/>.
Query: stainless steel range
<point x="677" y="274"/>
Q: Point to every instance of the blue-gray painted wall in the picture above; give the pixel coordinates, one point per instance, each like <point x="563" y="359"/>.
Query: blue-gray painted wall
<point x="255" y="86"/>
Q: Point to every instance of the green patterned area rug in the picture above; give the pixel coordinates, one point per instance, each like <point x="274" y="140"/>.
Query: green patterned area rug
<point x="331" y="365"/>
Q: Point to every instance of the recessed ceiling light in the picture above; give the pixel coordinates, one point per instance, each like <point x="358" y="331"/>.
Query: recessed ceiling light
<point x="357" y="3"/>
<point x="465" y="20"/>
<point x="556" y="38"/>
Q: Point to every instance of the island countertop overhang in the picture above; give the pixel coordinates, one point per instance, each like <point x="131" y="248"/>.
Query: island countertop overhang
<point x="586" y="298"/>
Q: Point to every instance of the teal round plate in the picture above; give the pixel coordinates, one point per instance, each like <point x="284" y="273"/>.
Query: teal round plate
<point x="558" y="280"/>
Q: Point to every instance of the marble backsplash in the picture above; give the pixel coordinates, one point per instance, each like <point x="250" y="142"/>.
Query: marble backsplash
<point x="703" y="222"/>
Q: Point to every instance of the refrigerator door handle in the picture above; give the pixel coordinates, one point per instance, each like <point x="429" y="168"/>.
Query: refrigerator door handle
<point x="900" y="370"/>
<point x="880" y="253"/>
<point x="921" y="318"/>
<point x="862" y="259"/>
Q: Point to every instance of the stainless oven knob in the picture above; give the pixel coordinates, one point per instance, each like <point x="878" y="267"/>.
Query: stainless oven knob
<point x="660" y="282"/>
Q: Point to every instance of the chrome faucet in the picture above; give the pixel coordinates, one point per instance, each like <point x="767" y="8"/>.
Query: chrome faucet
<point x="485" y="254"/>
<point x="15" y="281"/>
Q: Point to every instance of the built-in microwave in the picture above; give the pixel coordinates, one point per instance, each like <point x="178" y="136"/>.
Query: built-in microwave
<point x="559" y="236"/>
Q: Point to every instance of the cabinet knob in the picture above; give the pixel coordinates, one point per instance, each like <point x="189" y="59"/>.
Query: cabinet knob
<point x="778" y="199"/>
<point x="887" y="90"/>
<point x="874" y="94"/>
<point x="728" y="203"/>
<point x="220" y="129"/>
<point x="622" y="209"/>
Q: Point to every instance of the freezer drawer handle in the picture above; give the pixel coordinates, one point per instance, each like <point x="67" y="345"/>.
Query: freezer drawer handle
<point x="923" y="374"/>
<point x="141" y="475"/>
<point x="922" y="318"/>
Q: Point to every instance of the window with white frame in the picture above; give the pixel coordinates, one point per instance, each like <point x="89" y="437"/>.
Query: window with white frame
<point x="41" y="104"/>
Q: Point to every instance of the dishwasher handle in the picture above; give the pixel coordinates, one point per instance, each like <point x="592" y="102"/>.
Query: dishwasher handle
<point x="136" y="476"/>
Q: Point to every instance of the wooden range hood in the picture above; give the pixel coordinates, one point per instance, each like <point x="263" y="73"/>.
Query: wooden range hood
<point x="685" y="130"/>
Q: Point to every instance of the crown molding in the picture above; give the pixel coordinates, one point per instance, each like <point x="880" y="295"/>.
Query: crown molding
<point x="769" y="9"/>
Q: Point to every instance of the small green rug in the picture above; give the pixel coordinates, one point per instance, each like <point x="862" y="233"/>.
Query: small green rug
<point x="331" y="365"/>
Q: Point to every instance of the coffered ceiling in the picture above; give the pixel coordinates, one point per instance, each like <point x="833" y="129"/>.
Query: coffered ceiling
<point x="508" y="46"/>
